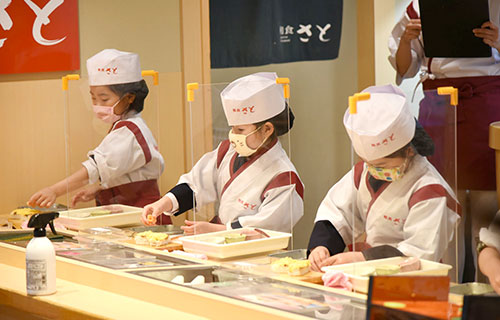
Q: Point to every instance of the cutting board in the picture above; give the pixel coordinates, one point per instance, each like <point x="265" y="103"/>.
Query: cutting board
<point x="171" y="246"/>
<point x="311" y="276"/>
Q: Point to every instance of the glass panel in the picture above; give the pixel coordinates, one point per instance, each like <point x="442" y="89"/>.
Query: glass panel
<point x="259" y="190"/>
<point x="417" y="212"/>
<point x="112" y="163"/>
<point x="33" y="154"/>
<point x="439" y="119"/>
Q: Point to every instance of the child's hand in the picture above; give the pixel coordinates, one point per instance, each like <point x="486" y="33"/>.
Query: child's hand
<point x="43" y="198"/>
<point x="344" y="257"/>
<point x="412" y="30"/>
<point x="84" y="195"/>
<point x="153" y="210"/>
<point x="489" y="33"/>
<point x="197" y="227"/>
<point x="317" y="256"/>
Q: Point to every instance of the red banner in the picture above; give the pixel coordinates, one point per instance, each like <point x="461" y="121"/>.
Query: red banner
<point x="39" y="36"/>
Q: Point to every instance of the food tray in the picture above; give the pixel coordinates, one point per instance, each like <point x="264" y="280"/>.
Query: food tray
<point x="129" y="216"/>
<point x="196" y="244"/>
<point x="360" y="283"/>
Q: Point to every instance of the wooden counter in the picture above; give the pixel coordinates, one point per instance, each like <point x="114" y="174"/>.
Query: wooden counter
<point x="92" y="292"/>
<point x="73" y="301"/>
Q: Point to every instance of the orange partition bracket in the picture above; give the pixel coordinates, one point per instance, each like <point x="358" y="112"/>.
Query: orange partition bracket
<point x="190" y="90"/>
<point x="452" y="92"/>
<point x="353" y="101"/>
<point x="494" y="143"/>
<point x="286" y="86"/>
<point x="152" y="73"/>
<point x="68" y="77"/>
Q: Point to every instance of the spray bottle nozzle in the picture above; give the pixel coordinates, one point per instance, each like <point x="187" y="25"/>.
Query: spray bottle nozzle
<point x="40" y="220"/>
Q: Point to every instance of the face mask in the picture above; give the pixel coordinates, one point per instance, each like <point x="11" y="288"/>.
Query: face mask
<point x="239" y="142"/>
<point x="107" y="114"/>
<point x="388" y="174"/>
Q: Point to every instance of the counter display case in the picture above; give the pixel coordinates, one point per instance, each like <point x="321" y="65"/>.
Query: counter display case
<point x="264" y="291"/>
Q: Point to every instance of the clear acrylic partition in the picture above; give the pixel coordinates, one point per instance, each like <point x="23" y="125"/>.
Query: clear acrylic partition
<point x="438" y="117"/>
<point x="245" y="191"/>
<point x="32" y="150"/>
<point x="358" y="234"/>
<point x="125" y="155"/>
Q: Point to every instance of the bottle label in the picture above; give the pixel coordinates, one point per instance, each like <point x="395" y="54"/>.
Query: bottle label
<point x="36" y="275"/>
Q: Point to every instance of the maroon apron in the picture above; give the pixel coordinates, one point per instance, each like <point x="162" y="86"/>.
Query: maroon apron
<point x="137" y="194"/>
<point x="478" y="106"/>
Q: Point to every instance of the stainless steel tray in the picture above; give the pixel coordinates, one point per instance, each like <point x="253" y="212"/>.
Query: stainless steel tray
<point x="168" y="229"/>
<point x="298" y="254"/>
<point x="472" y="288"/>
<point x="188" y="273"/>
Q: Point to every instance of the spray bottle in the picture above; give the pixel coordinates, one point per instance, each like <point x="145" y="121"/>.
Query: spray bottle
<point x="41" y="256"/>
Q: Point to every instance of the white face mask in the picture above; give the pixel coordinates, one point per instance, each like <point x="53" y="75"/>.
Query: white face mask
<point x="106" y="113"/>
<point x="239" y="142"/>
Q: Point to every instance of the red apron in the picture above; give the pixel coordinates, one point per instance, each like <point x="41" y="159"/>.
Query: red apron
<point x="137" y="194"/>
<point x="478" y="106"/>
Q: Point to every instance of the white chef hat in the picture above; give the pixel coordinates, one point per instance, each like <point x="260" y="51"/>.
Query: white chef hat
<point x="382" y="125"/>
<point x="111" y="66"/>
<point x="252" y="99"/>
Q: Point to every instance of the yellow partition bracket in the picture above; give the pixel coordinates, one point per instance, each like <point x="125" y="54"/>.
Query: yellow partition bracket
<point x="190" y="90"/>
<point x="353" y="101"/>
<point x="68" y="77"/>
<point x="452" y="92"/>
<point x="152" y="73"/>
<point x="286" y="86"/>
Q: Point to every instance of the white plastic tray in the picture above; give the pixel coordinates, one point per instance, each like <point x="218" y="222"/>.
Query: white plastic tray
<point x="129" y="216"/>
<point x="360" y="283"/>
<point x="195" y="244"/>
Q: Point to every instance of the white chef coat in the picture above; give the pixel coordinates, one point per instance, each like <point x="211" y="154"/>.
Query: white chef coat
<point x="415" y="214"/>
<point x="443" y="67"/>
<point x="128" y="153"/>
<point x="491" y="235"/>
<point x="265" y="192"/>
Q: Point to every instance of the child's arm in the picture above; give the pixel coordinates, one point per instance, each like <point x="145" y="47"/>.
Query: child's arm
<point x="489" y="263"/>
<point x="47" y="196"/>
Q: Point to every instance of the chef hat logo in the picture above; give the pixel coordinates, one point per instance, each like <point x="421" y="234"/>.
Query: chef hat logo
<point x="108" y="70"/>
<point x="112" y="66"/>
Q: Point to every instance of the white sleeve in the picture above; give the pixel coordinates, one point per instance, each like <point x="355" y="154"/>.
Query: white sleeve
<point x="118" y="154"/>
<point x="202" y="179"/>
<point x="175" y="203"/>
<point x="281" y="209"/>
<point x="340" y="208"/>
<point x="428" y="229"/>
<point x="417" y="51"/>
<point x="491" y="235"/>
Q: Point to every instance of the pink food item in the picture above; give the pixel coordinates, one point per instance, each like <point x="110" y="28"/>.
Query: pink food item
<point x="251" y="234"/>
<point x="112" y="209"/>
<point x="410" y="264"/>
<point x="336" y="279"/>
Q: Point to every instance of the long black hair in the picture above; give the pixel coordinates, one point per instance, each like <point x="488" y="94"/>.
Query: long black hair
<point x="139" y="89"/>
<point x="421" y="142"/>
